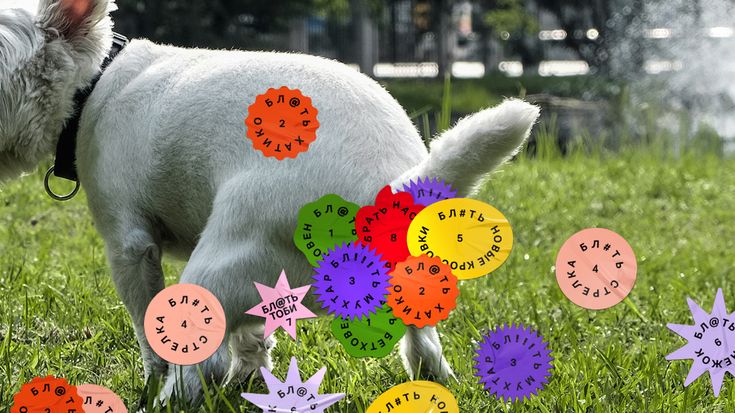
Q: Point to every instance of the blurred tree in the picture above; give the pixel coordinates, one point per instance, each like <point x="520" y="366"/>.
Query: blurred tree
<point x="441" y="22"/>
<point x="511" y="21"/>
<point x="575" y="21"/>
<point x="619" y="26"/>
<point x="213" y="23"/>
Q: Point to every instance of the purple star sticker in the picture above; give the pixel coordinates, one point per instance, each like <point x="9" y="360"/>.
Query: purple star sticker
<point x="293" y="395"/>
<point x="513" y="362"/>
<point x="427" y="191"/>
<point x="710" y="342"/>
<point x="351" y="281"/>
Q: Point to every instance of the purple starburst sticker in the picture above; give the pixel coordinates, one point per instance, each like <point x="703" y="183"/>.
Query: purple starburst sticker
<point x="710" y="342"/>
<point x="427" y="191"/>
<point x="293" y="395"/>
<point x="351" y="281"/>
<point x="513" y="362"/>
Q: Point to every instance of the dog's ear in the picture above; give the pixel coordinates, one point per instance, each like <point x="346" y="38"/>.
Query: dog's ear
<point x="73" y="19"/>
<point x="76" y="10"/>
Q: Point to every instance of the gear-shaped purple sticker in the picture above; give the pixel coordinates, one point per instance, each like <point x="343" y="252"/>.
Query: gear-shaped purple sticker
<point x="711" y="342"/>
<point x="427" y="191"/>
<point x="513" y="362"/>
<point x="351" y="281"/>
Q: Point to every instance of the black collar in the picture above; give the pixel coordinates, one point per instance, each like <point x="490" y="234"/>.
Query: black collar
<point x="65" y="164"/>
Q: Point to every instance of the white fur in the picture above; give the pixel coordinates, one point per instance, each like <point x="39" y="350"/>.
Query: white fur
<point x="163" y="156"/>
<point x="43" y="61"/>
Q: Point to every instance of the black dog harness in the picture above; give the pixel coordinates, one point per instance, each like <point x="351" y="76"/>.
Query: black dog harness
<point x="65" y="163"/>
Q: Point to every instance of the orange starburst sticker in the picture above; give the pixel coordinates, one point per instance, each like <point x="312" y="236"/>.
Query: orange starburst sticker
<point x="47" y="395"/>
<point x="282" y="123"/>
<point x="423" y="291"/>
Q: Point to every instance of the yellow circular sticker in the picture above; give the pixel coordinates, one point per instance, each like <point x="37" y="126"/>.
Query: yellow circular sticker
<point x="415" y="397"/>
<point x="472" y="237"/>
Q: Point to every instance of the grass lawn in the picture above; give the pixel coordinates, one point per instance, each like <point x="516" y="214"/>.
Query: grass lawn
<point x="59" y="313"/>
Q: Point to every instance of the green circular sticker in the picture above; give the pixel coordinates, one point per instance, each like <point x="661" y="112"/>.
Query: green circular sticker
<point x="324" y="223"/>
<point x="372" y="336"/>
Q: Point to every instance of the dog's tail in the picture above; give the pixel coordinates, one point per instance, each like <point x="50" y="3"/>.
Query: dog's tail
<point x="475" y="146"/>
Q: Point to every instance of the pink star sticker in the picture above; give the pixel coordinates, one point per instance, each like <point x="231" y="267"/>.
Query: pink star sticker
<point x="281" y="306"/>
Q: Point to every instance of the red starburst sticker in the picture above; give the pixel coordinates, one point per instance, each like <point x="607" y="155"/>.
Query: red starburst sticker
<point x="383" y="226"/>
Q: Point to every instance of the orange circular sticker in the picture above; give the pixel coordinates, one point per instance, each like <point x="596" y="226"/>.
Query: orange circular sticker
<point x="98" y="399"/>
<point x="596" y="268"/>
<point x="47" y="395"/>
<point x="423" y="291"/>
<point x="282" y="123"/>
<point x="185" y="324"/>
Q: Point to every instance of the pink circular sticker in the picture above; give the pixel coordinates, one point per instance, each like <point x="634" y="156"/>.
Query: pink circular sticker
<point x="596" y="268"/>
<point x="98" y="399"/>
<point x="185" y="324"/>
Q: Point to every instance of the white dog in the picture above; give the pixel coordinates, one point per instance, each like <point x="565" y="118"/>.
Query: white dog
<point x="163" y="156"/>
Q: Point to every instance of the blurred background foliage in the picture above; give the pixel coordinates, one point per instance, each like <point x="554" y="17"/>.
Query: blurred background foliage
<point x="604" y="70"/>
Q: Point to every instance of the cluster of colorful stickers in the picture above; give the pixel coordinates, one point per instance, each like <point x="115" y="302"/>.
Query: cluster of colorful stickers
<point x="710" y="342"/>
<point x="55" y="395"/>
<point x="374" y="271"/>
<point x="293" y="394"/>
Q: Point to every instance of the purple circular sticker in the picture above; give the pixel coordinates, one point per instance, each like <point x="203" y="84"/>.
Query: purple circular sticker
<point x="513" y="362"/>
<point x="426" y="192"/>
<point x="351" y="281"/>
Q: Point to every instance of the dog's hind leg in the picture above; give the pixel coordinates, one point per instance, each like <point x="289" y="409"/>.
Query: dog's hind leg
<point x="135" y="259"/>
<point x="421" y="352"/>
<point x="185" y="383"/>
<point x="250" y="351"/>
<point x="226" y="261"/>
<point x="461" y="156"/>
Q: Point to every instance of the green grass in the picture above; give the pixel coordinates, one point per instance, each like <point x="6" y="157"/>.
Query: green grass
<point x="470" y="95"/>
<point x="60" y="314"/>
